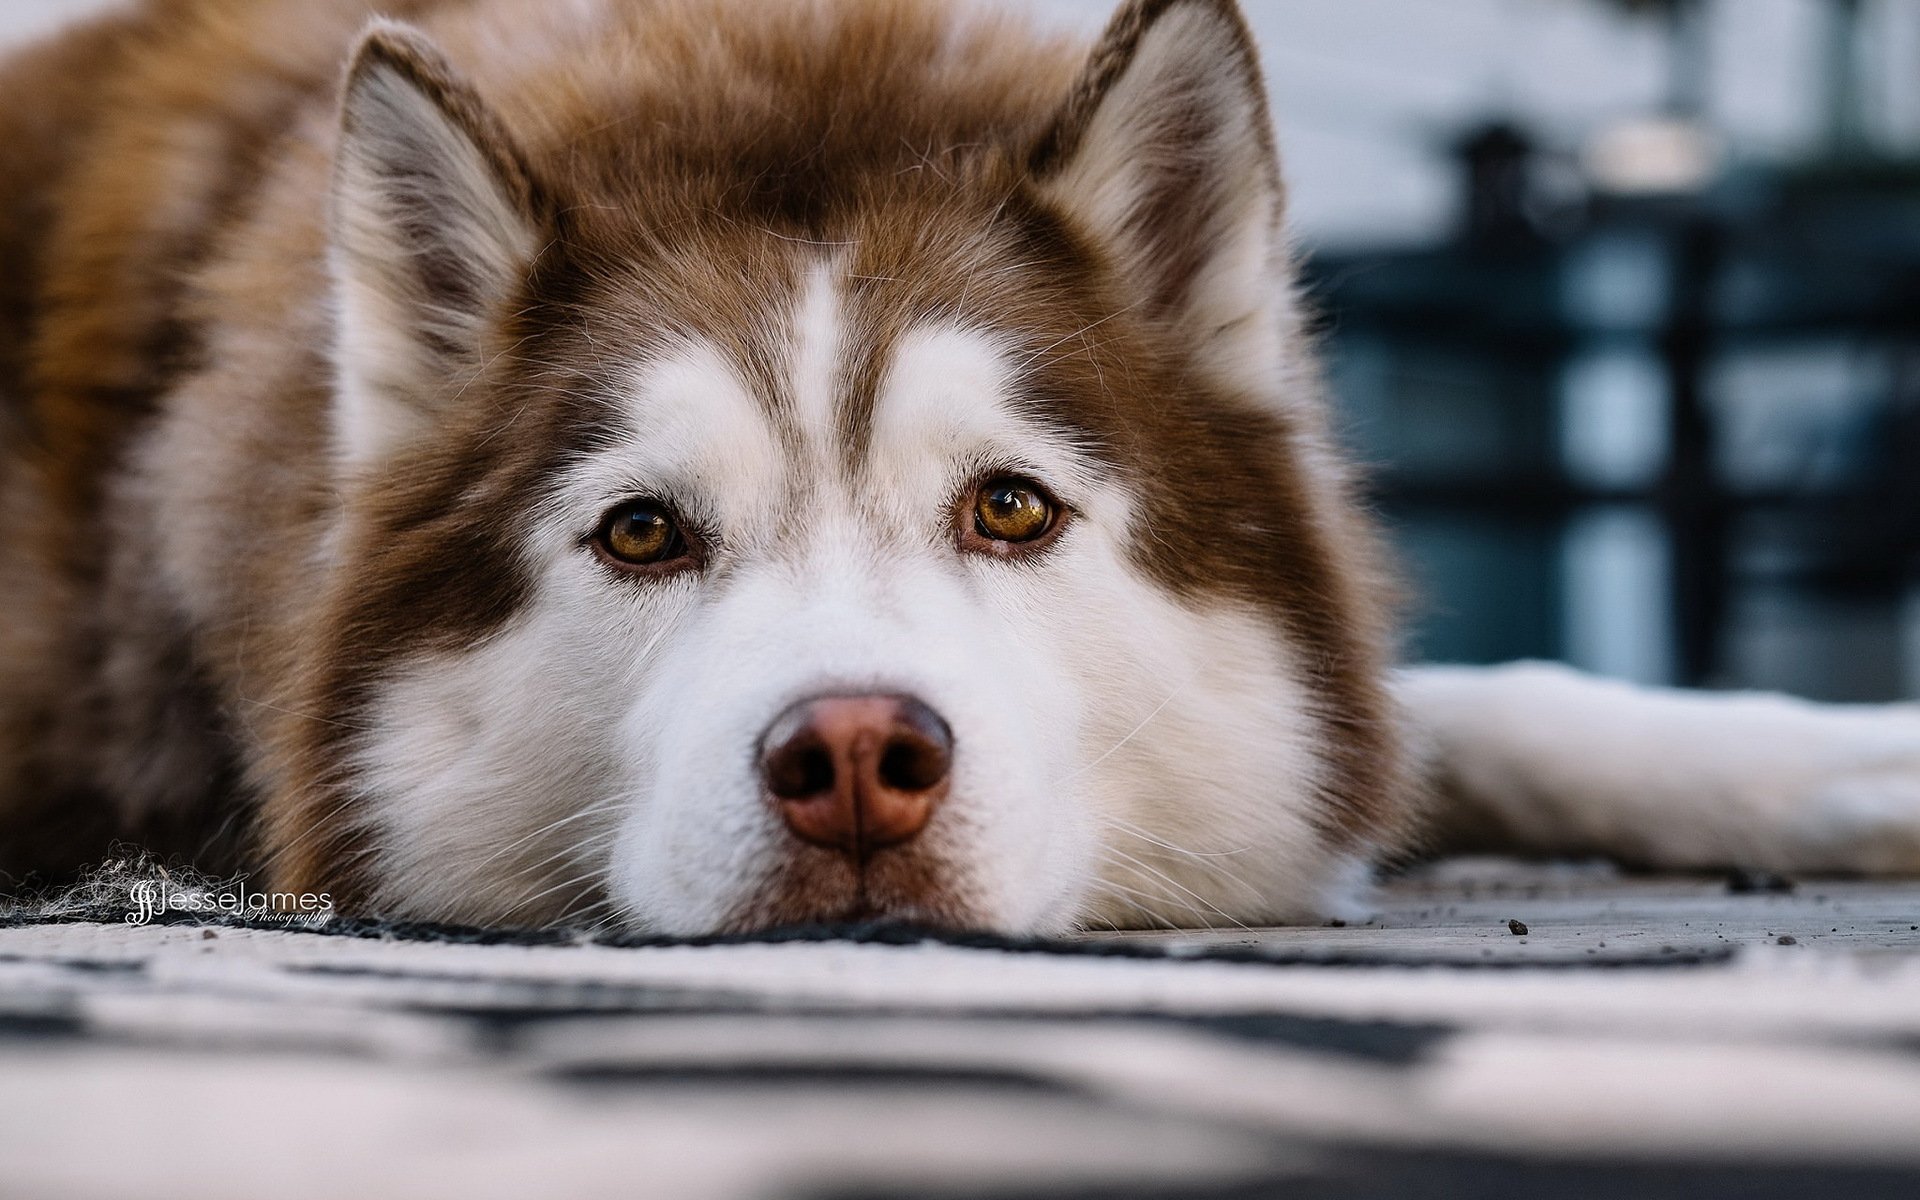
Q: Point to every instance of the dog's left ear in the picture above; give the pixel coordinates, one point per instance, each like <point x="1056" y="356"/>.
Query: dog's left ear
<point x="1163" y="156"/>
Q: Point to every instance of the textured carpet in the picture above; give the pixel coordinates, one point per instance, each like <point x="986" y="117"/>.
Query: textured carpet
<point x="1493" y="1030"/>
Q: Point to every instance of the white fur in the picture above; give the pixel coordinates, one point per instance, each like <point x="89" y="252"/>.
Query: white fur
<point x="816" y="342"/>
<point x="1100" y="776"/>
<point x="487" y="783"/>
<point x="1557" y="762"/>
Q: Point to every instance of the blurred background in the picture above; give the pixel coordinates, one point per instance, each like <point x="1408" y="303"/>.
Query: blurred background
<point x="1622" y="304"/>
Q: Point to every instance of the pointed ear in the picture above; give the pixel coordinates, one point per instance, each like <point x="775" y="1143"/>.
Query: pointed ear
<point x="1163" y="156"/>
<point x="434" y="219"/>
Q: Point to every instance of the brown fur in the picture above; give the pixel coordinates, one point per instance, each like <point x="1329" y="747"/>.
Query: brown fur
<point x="167" y="229"/>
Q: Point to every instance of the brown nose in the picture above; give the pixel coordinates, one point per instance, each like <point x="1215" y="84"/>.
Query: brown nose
<point x="857" y="773"/>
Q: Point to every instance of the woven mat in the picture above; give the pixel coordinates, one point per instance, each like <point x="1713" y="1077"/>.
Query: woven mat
<point x="1493" y="1030"/>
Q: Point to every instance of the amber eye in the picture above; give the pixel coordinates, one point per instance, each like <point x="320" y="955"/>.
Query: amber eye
<point x="1011" y="509"/>
<point x="640" y="533"/>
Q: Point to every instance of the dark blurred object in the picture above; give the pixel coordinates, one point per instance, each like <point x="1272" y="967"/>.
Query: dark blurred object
<point x="1676" y="437"/>
<point x="1499" y="163"/>
<point x="1745" y="882"/>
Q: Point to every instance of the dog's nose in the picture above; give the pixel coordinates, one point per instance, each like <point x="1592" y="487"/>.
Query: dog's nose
<point x="857" y="773"/>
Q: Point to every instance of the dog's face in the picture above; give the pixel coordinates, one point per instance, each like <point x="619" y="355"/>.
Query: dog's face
<point x="930" y="523"/>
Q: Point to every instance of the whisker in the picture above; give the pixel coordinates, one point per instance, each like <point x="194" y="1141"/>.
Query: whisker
<point x="1202" y="859"/>
<point x="305" y="716"/>
<point x="1172" y="882"/>
<point x="1083" y="768"/>
<point x="1129" y="827"/>
<point x="571" y="881"/>
<point x="1077" y="333"/>
<point x="591" y="810"/>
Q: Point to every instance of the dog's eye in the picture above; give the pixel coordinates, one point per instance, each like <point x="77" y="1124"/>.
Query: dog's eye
<point x="640" y="533"/>
<point x="1012" y="509"/>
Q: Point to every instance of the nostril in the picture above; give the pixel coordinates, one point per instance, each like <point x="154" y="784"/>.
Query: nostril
<point x="912" y="764"/>
<point x="796" y="771"/>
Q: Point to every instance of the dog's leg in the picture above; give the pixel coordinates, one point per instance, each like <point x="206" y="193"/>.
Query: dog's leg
<point x="1539" y="759"/>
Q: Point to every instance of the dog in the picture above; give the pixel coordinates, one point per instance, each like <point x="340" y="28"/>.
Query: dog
<point x="705" y="466"/>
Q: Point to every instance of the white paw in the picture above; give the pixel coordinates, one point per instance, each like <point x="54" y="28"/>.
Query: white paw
<point x="1868" y="822"/>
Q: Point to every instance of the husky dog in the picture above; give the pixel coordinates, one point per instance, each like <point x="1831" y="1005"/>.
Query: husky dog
<point x="710" y="465"/>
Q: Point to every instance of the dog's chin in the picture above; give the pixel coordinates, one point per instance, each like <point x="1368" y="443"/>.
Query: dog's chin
<point x="906" y="886"/>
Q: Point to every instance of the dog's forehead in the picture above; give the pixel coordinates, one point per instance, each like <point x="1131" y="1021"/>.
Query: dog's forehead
<point x="812" y="392"/>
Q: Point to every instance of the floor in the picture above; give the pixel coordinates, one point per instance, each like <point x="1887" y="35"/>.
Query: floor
<point x="1493" y="1029"/>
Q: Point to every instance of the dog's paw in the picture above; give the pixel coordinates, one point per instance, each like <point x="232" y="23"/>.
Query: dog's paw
<point x="1867" y="822"/>
<point x="1848" y="782"/>
<point x="1549" y="761"/>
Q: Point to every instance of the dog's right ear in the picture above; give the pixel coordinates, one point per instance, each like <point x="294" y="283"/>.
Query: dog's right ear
<point x="434" y="218"/>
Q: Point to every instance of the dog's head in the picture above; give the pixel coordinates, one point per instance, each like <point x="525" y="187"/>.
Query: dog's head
<point x="860" y="464"/>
